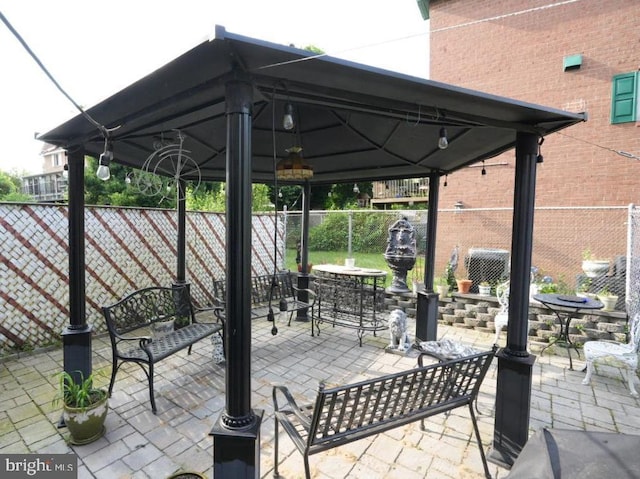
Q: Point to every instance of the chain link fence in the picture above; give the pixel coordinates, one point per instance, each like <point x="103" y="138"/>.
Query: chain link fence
<point x="476" y="244"/>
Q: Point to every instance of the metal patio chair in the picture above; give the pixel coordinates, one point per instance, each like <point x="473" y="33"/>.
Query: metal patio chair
<point x="613" y="352"/>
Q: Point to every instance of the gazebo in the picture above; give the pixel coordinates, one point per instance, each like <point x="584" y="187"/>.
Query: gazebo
<point x="354" y="123"/>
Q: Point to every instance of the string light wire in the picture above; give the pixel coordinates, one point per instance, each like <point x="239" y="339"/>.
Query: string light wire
<point x="104" y="130"/>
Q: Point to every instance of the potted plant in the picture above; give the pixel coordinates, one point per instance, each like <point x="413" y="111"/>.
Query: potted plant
<point x="583" y="289"/>
<point x="464" y="285"/>
<point x="593" y="267"/>
<point x="84" y="407"/>
<point x="484" y="288"/>
<point x="608" y="299"/>
<point x="442" y="287"/>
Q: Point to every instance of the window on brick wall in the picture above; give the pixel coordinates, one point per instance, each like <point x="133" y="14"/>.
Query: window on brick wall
<point x="624" y="97"/>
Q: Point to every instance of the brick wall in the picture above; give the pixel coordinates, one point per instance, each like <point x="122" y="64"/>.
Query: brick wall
<point x="521" y="56"/>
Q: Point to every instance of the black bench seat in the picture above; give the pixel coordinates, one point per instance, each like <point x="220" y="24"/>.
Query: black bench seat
<point x="130" y="322"/>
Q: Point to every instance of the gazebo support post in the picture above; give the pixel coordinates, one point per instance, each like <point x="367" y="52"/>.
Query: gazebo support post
<point x="515" y="364"/>
<point x="76" y="337"/>
<point x="303" y="276"/>
<point x="427" y="308"/>
<point x="236" y="434"/>
<point x="181" y="243"/>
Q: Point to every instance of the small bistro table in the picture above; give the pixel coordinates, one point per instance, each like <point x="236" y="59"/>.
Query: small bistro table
<point x="563" y="307"/>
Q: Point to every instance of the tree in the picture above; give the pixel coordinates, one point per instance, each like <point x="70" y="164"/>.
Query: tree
<point x="10" y="188"/>
<point x="116" y="191"/>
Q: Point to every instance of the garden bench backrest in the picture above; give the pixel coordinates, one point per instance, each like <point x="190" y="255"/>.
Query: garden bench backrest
<point x="347" y="413"/>
<point x="261" y="288"/>
<point x="143" y="307"/>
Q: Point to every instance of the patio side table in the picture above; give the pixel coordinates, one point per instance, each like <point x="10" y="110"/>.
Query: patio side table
<point x="563" y="307"/>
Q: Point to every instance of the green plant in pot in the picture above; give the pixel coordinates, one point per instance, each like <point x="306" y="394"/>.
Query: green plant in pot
<point x="84" y="407"/>
<point x="608" y="299"/>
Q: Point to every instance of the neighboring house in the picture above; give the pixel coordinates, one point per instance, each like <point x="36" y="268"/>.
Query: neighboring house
<point x="406" y="193"/>
<point x="51" y="185"/>
<point x="576" y="56"/>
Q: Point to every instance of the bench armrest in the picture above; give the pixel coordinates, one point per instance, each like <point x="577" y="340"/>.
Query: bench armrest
<point x="310" y="292"/>
<point x="218" y="312"/>
<point x="291" y="402"/>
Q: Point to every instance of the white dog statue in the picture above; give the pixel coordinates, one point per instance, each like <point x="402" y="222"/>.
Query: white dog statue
<point x="398" y="336"/>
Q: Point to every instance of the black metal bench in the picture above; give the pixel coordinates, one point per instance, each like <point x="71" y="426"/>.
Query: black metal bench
<point x="267" y="291"/>
<point x="130" y="322"/>
<point x="350" y="303"/>
<point x="344" y="414"/>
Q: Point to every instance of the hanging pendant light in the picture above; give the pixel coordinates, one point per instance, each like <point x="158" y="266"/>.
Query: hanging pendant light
<point x="293" y="167"/>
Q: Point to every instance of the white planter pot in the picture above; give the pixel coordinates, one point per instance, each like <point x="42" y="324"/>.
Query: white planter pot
<point x="484" y="290"/>
<point x="609" y="302"/>
<point x="162" y="328"/>
<point x="593" y="268"/>
<point x="443" y="290"/>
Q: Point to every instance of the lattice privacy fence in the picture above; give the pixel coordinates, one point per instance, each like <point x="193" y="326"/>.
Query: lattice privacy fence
<point x="126" y="249"/>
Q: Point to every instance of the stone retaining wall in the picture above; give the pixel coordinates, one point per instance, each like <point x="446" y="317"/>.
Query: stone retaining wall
<point x="473" y="311"/>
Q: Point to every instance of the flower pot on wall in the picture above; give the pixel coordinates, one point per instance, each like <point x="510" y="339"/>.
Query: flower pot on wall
<point x="484" y="290"/>
<point x="609" y="302"/>
<point x="464" y="285"/>
<point x="595" y="268"/>
<point x="443" y="290"/>
<point x="418" y="286"/>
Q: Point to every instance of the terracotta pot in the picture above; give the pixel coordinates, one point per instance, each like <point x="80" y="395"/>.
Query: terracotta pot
<point x="464" y="285"/>
<point x="309" y="266"/>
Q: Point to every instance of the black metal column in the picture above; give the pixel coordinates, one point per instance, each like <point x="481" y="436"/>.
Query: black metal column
<point x="182" y="300"/>
<point x="76" y="337"/>
<point x="515" y="364"/>
<point x="181" y="207"/>
<point x="427" y="307"/>
<point x="303" y="276"/>
<point x="236" y="434"/>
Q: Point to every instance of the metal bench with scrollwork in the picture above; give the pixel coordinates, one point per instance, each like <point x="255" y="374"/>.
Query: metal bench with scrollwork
<point x="131" y="321"/>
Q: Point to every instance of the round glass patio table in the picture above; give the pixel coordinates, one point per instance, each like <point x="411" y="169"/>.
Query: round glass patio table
<point x="564" y="307"/>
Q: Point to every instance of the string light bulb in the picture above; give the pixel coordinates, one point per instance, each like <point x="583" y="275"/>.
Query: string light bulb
<point x="287" y="119"/>
<point x="103" y="171"/>
<point x="443" y="141"/>
<point x="484" y="171"/>
<point x="446" y="178"/>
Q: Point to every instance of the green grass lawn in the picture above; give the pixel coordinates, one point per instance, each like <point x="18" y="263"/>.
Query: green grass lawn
<point x="363" y="260"/>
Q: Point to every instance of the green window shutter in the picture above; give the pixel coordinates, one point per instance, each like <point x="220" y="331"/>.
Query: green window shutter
<point x="623" y="98"/>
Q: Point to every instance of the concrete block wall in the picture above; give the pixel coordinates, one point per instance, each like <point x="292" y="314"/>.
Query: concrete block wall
<point x="477" y="312"/>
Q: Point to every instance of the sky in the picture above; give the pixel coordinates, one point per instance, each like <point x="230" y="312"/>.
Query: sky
<point x="95" y="49"/>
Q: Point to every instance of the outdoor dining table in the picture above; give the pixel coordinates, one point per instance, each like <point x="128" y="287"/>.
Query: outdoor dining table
<point x="365" y="275"/>
<point x="563" y="306"/>
<point x="370" y="282"/>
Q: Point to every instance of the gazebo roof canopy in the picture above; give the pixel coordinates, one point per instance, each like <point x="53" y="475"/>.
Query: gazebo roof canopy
<point x="354" y="122"/>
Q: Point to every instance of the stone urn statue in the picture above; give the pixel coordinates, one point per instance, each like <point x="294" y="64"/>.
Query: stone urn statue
<point x="400" y="254"/>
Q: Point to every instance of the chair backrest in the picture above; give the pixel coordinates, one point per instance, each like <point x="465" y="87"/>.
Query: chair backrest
<point x="502" y="293"/>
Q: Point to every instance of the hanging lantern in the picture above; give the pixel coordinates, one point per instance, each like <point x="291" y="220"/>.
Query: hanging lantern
<point x="293" y="167"/>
